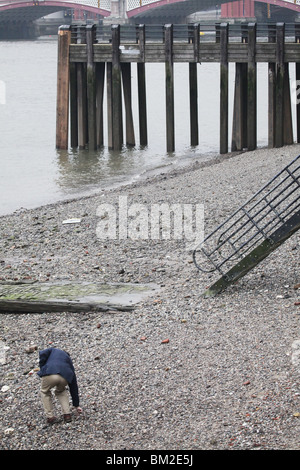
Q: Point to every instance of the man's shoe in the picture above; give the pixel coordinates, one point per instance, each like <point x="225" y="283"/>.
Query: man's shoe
<point x="67" y="418"/>
<point x="51" y="420"/>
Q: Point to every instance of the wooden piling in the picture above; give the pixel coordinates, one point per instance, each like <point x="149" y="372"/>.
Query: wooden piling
<point x="91" y="88"/>
<point x="169" y="69"/>
<point x="100" y="77"/>
<point x="63" y="81"/>
<point x="297" y="103"/>
<point x="271" y="92"/>
<point x="239" y="124"/>
<point x="297" y="77"/>
<point x="223" y="88"/>
<point x="117" y="122"/>
<point x="288" y="138"/>
<point x="126" y="76"/>
<point x="283" y="120"/>
<point x="110" y="130"/>
<point x="252" y="93"/>
<point x="73" y="106"/>
<point x="280" y="69"/>
<point x="73" y="102"/>
<point x="141" y="82"/>
<point x="193" y="82"/>
<point x="141" y="78"/>
<point x="194" y="133"/>
<point x="82" y="105"/>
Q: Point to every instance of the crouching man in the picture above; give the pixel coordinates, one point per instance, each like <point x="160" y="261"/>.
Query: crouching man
<point x="57" y="372"/>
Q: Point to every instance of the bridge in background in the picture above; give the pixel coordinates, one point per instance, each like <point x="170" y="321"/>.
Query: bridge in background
<point x="17" y="17"/>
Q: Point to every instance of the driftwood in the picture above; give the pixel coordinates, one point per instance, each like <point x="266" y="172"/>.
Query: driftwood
<point x="21" y="306"/>
<point x="19" y="297"/>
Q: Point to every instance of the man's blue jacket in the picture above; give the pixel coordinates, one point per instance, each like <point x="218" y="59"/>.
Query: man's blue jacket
<point x="56" y="361"/>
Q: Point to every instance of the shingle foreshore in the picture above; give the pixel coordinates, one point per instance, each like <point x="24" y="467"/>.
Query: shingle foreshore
<point x="179" y="372"/>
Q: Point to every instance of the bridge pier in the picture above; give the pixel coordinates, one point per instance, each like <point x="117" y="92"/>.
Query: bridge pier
<point x="19" y="30"/>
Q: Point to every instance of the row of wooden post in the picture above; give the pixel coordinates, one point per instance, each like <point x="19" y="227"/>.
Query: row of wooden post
<point x="84" y="83"/>
<point x="244" y="126"/>
<point x="244" y="130"/>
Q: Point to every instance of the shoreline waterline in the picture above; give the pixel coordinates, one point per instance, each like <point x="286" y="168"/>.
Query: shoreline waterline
<point x="34" y="173"/>
<point x="164" y="170"/>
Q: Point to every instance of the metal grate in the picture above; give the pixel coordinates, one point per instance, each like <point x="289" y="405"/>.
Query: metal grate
<point x="257" y="220"/>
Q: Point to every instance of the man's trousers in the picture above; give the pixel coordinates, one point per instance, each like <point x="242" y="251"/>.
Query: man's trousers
<point x="59" y="384"/>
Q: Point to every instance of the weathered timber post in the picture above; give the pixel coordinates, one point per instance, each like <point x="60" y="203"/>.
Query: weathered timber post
<point x="280" y="30"/>
<point x="73" y="98"/>
<point x="141" y="78"/>
<point x="82" y="94"/>
<point x="82" y="105"/>
<point x="116" y="90"/>
<point x="223" y="88"/>
<point x="194" y="88"/>
<point x="288" y="138"/>
<point x="239" y="125"/>
<point x="110" y="130"/>
<point x="169" y="87"/>
<point x="218" y="29"/>
<point x="252" y="93"/>
<point x="126" y="75"/>
<point x="91" y="88"/>
<point x="63" y="82"/>
<point x="239" y="129"/>
<point x="100" y="76"/>
<point x="297" y="72"/>
<point x="283" y="121"/>
<point x="271" y="92"/>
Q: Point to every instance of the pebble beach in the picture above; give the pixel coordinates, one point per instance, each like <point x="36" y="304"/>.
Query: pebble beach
<point x="179" y="371"/>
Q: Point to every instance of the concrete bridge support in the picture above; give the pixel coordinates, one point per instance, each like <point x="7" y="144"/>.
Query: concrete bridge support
<point x="19" y="30"/>
<point x="118" y="13"/>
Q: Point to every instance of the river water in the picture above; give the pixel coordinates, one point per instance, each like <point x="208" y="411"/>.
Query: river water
<point x="34" y="173"/>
